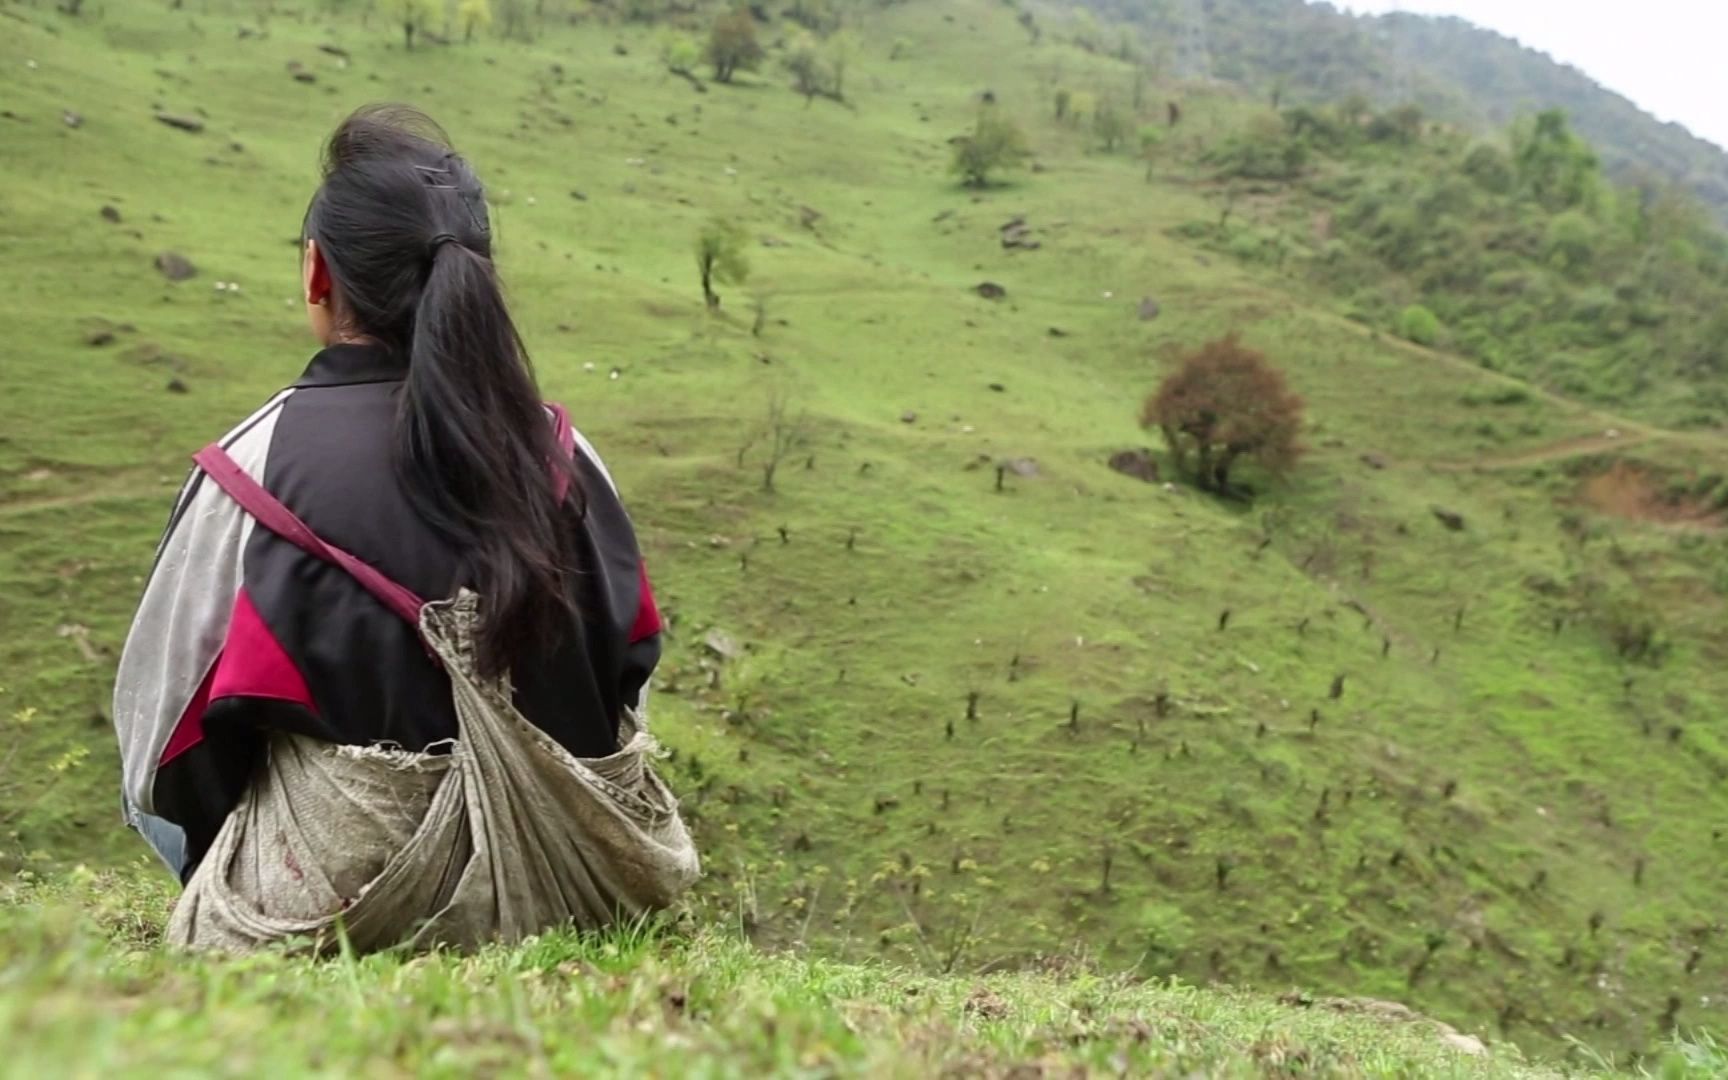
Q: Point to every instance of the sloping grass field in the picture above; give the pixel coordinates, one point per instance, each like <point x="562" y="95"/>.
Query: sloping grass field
<point x="976" y="721"/>
<point x="88" y="992"/>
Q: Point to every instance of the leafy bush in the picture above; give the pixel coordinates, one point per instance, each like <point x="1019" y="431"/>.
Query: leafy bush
<point x="732" y="45"/>
<point x="1111" y="124"/>
<point x="1489" y="167"/>
<point x="1416" y="323"/>
<point x="1261" y="156"/>
<point x="1225" y="403"/>
<point x="1552" y="165"/>
<point x="996" y="143"/>
<point x="1400" y="125"/>
<point x="1499" y="395"/>
<point x="1267" y="151"/>
<point x="803" y="61"/>
<point x="680" y="52"/>
<point x="720" y="257"/>
<point x="816" y="16"/>
<point x="1317" y="127"/>
<point x="1571" y="239"/>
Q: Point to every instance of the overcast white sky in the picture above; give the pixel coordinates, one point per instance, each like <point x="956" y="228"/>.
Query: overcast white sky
<point x="1669" y="56"/>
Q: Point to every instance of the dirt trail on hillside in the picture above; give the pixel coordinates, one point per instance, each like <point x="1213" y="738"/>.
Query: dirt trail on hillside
<point x="1614" y="432"/>
<point x="1577" y="446"/>
<point x="119" y="487"/>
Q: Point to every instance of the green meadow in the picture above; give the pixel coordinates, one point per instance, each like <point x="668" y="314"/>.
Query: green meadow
<point x="954" y="699"/>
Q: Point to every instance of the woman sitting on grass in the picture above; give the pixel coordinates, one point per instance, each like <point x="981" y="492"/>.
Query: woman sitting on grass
<point x="312" y="748"/>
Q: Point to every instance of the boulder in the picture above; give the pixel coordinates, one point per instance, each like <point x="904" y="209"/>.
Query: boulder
<point x="1374" y="461"/>
<point x="1139" y="464"/>
<point x="181" y="122"/>
<point x="1021" y="466"/>
<point x="72" y="119"/>
<point x="111" y="214"/>
<point x="1452" y="519"/>
<point x="989" y="290"/>
<point x="334" y="50"/>
<point x="175" y="267"/>
<point x="1016" y="234"/>
<point x="1148" y="309"/>
<point x="177" y="385"/>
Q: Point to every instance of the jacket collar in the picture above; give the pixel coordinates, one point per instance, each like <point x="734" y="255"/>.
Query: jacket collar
<point x="350" y="365"/>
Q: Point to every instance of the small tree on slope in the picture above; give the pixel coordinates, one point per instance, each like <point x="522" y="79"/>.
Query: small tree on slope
<point x="1226" y="403"/>
<point x="996" y="143"/>
<point x="720" y="258"/>
<point x="472" y="15"/>
<point x="732" y="45"/>
<point x="413" y="16"/>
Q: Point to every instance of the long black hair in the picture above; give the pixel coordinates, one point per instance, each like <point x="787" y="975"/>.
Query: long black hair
<point x="402" y="222"/>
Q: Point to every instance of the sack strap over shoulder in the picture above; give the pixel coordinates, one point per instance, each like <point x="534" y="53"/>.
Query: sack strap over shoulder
<point x="565" y="433"/>
<point x="268" y="511"/>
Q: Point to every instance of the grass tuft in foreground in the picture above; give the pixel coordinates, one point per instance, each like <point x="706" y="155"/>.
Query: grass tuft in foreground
<point x="85" y="989"/>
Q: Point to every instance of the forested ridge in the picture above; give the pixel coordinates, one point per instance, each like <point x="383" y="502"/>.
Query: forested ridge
<point x="1457" y="71"/>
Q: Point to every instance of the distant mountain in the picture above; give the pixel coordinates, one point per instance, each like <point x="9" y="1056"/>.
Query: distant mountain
<point x="1456" y="70"/>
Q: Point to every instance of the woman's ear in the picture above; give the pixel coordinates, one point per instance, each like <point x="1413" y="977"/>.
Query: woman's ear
<point x="315" y="273"/>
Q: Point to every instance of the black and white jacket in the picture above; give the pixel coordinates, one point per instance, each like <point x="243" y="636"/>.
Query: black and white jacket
<point x="240" y="633"/>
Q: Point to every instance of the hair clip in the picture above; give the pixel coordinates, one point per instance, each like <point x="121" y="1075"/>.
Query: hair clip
<point x="429" y="171"/>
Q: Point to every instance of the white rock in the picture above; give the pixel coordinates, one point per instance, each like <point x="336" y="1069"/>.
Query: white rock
<point x="589" y="366"/>
<point x="1464" y="1044"/>
<point x="722" y="645"/>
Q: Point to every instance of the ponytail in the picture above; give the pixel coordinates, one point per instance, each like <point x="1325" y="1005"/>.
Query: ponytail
<point x="402" y="223"/>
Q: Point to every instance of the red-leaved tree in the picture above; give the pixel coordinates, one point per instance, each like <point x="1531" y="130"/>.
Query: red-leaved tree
<point x="1226" y="403"/>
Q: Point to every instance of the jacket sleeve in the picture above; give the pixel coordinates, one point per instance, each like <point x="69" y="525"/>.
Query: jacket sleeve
<point x="633" y="598"/>
<point x="169" y="660"/>
<point x="642" y="654"/>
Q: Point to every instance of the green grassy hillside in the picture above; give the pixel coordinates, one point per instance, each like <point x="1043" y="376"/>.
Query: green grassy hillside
<point x="1496" y="818"/>
<point x="87" y="992"/>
